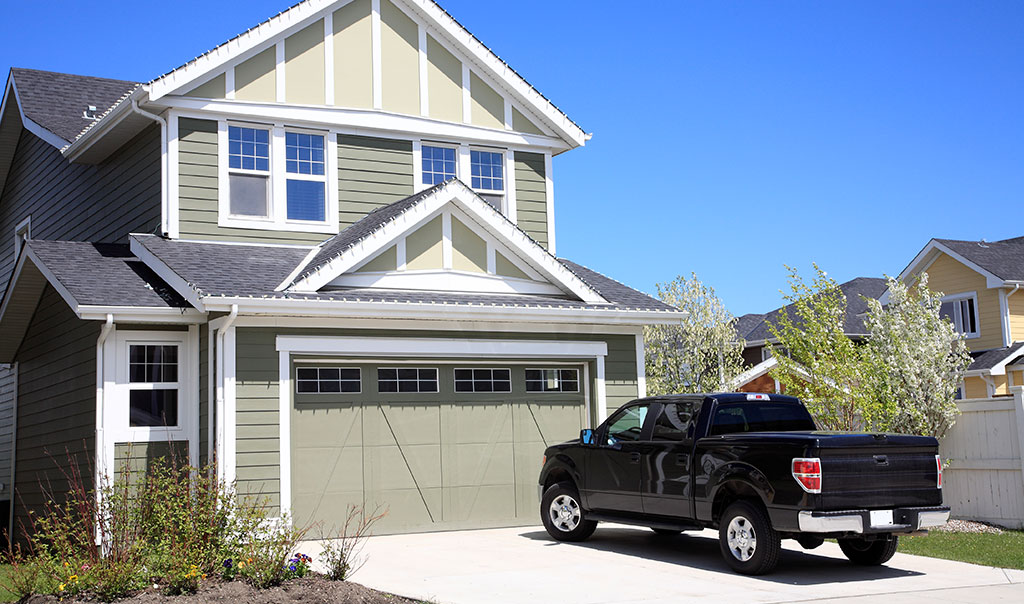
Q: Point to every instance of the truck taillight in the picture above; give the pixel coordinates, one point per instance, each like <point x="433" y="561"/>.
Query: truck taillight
<point x="807" y="472"/>
<point x="938" y="468"/>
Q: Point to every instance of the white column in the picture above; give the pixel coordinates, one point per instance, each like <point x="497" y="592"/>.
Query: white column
<point x="601" y="395"/>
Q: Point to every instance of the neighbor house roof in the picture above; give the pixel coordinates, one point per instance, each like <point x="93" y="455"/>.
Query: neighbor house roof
<point x="995" y="361"/>
<point x="754" y="328"/>
<point x="1004" y="258"/>
<point x="216" y="270"/>
<point x="58" y="101"/>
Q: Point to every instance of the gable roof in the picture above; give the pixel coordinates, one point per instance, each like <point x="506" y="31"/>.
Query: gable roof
<point x="57" y="101"/>
<point x="430" y="11"/>
<point x="94" y="279"/>
<point x="1004" y="259"/>
<point x="855" y="291"/>
<point x="994" y="362"/>
<point x="378" y="230"/>
<point x="217" y="275"/>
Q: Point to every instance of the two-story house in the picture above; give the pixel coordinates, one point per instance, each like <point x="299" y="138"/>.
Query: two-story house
<point x="980" y="282"/>
<point x="321" y="254"/>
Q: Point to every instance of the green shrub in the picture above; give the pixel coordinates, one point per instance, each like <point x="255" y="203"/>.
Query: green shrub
<point x="264" y="561"/>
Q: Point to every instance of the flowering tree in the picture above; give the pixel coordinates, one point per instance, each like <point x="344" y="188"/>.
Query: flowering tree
<point x="817" y="361"/>
<point x="701" y="353"/>
<point x="917" y="360"/>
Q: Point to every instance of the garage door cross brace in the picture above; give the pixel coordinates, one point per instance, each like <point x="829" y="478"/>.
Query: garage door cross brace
<point x="400" y="450"/>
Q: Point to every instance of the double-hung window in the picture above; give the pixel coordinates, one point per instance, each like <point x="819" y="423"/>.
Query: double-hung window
<point x="438" y="164"/>
<point x="962" y="311"/>
<point x="153" y="385"/>
<point x="306" y="186"/>
<point x="488" y="176"/>
<point x="249" y="172"/>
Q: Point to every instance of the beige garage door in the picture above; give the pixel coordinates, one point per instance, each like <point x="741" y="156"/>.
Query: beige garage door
<point x="456" y="454"/>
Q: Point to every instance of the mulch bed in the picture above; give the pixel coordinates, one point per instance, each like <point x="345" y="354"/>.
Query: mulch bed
<point x="309" y="590"/>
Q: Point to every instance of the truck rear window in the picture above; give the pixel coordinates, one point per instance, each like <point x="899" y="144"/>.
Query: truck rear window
<point x="760" y="417"/>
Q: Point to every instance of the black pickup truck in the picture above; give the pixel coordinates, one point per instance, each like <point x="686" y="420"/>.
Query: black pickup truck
<point x="753" y="466"/>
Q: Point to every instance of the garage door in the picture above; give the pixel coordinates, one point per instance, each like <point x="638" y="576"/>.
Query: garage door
<point x="440" y="445"/>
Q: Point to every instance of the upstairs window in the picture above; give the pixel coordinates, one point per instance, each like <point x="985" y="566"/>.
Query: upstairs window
<point x="249" y="172"/>
<point x="962" y="311"/>
<point x="438" y="164"/>
<point x="488" y="177"/>
<point x="304" y="162"/>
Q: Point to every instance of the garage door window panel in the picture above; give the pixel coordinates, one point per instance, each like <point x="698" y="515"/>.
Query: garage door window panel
<point x="483" y="380"/>
<point x="328" y="380"/>
<point x="552" y="380"/>
<point x="407" y="379"/>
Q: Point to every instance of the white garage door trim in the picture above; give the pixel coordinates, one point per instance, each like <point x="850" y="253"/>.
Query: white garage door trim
<point x="405" y="347"/>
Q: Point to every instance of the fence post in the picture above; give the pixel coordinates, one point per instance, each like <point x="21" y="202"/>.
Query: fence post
<point x="1018" y="411"/>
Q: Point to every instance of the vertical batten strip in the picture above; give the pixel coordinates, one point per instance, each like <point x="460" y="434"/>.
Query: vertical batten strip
<point x="446" y="241"/>
<point x="171" y="161"/>
<point x="229" y="83"/>
<point x="400" y="254"/>
<point x="467" y="99"/>
<point x="417" y="166"/>
<point x="279" y="71"/>
<point x="424" y="95"/>
<point x="464" y="170"/>
<point x="511" y="205"/>
<point x="508" y="113"/>
<point x="549" y="201"/>
<point x="329" y="59"/>
<point x="375" y="43"/>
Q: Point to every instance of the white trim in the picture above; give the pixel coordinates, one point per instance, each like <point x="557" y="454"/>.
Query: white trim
<point x="467" y="97"/>
<point x="1004" y="315"/>
<point x="401" y="257"/>
<point x="421" y="33"/>
<point x="441" y="347"/>
<point x="421" y="325"/>
<point x="971" y="295"/>
<point x="752" y="374"/>
<point x="511" y="203"/>
<point x="142" y="314"/>
<point x="602" y="392"/>
<point x="549" y="187"/>
<point x="211" y="397"/>
<point x="446" y="241"/>
<point x="229" y="83"/>
<point x="929" y="254"/>
<point x="284" y="395"/>
<point x="116" y="420"/>
<point x="229" y="418"/>
<point x="22" y="233"/>
<point x="30" y="125"/>
<point x="177" y="283"/>
<point x="641" y="365"/>
<point x="172" y="220"/>
<point x="368" y="122"/>
<point x="376" y="60"/>
<point x="417" y="166"/>
<point x="279" y="71"/>
<point x="446" y="280"/>
<point x="329" y="58"/>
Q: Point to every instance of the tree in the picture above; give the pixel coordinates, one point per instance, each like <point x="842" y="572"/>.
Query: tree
<point x="916" y="361"/>
<point x="817" y="361"/>
<point x="701" y="353"/>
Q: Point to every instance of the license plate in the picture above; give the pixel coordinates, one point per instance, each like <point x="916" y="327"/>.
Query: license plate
<point x="881" y="517"/>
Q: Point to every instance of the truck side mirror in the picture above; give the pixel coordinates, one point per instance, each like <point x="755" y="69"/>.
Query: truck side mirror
<point x="587" y="437"/>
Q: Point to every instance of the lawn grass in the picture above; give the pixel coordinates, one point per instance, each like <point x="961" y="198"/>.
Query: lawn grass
<point x="5" y="596"/>
<point x="1005" y="550"/>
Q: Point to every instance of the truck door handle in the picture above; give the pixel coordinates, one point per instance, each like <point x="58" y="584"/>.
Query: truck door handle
<point x="681" y="459"/>
<point x="634" y="458"/>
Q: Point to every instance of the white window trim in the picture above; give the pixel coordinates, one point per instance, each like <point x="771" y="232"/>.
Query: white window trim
<point x="464" y="169"/>
<point x="977" y="314"/>
<point x="278" y="181"/>
<point x="418" y="159"/>
<point x="22" y="233"/>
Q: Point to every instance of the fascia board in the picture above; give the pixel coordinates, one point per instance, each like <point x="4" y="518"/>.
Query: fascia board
<point x="925" y="255"/>
<point x="27" y="254"/>
<point x="143" y="314"/>
<point x="437" y="346"/>
<point x="30" y="124"/>
<point x="177" y="283"/>
<point x="104" y="124"/>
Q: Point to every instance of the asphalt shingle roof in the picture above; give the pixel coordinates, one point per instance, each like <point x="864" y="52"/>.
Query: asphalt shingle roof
<point x="256" y="271"/>
<point x="105" y="274"/>
<point x="56" y="101"/>
<point x="1004" y="259"/>
<point x="990" y="358"/>
<point x="855" y="290"/>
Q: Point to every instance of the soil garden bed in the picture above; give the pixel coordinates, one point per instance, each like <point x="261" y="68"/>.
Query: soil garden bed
<point x="308" y="590"/>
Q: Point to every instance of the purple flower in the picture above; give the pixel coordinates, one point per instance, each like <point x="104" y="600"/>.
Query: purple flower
<point x="227" y="563"/>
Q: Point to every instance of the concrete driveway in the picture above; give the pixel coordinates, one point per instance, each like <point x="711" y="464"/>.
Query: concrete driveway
<point x="624" y="564"/>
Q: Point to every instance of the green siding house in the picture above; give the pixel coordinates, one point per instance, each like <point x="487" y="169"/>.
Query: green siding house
<point x="322" y="256"/>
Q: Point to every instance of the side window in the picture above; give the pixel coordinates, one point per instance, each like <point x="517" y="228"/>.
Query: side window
<point x="627" y="425"/>
<point x="674" y="422"/>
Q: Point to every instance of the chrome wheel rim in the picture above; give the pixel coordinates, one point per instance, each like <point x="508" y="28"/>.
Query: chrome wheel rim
<point x="565" y="513"/>
<point x="741" y="539"/>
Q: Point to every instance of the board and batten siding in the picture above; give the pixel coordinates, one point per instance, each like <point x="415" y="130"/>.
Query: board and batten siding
<point x="258" y="405"/>
<point x="56" y="405"/>
<point x="73" y="202"/>
<point x="372" y="172"/>
<point x="532" y="196"/>
<point x="948" y="276"/>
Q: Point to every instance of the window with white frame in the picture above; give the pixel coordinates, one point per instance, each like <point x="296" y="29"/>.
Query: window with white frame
<point x="483" y="380"/>
<point x="326" y="380"/>
<point x="487" y="176"/>
<point x="249" y="172"/>
<point x="962" y="311"/>
<point x="439" y="164"/>
<point x="552" y="380"/>
<point x="306" y="186"/>
<point x="153" y="385"/>
<point x="407" y="379"/>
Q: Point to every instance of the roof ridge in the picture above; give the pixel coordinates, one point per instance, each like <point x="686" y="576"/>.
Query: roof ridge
<point x="74" y="75"/>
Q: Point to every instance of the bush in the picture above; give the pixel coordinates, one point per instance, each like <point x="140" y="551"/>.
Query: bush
<point x="265" y="560"/>
<point x="342" y="548"/>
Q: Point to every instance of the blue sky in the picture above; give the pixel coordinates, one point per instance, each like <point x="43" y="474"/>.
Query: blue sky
<point x="730" y="138"/>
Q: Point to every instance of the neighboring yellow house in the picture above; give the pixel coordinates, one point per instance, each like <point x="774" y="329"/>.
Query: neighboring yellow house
<point x="980" y="282"/>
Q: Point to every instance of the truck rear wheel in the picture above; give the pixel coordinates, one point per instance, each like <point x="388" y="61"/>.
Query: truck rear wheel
<point x="869" y="553"/>
<point x="562" y="514"/>
<point x="748" y="542"/>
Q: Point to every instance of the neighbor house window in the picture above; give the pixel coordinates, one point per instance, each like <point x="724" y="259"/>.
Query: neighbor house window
<point x="962" y="311"/>
<point x="306" y="186"/>
<point x="438" y="164"/>
<point x="552" y="380"/>
<point x="153" y="385"/>
<point x="324" y="380"/>
<point x="249" y="172"/>
<point x="483" y="380"/>
<point x="407" y="379"/>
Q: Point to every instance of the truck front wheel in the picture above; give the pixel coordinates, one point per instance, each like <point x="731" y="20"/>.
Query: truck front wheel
<point x="748" y="542"/>
<point x="562" y="513"/>
<point x="869" y="553"/>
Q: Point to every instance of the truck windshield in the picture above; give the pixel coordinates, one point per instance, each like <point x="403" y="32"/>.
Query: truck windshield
<point x="760" y="417"/>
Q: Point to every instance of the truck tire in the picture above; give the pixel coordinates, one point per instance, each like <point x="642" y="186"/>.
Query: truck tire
<point x="562" y="514"/>
<point x="869" y="553"/>
<point x="749" y="543"/>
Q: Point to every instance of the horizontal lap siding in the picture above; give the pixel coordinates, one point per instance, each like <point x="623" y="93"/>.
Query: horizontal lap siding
<point x="258" y="406"/>
<point x="134" y="460"/>
<point x="948" y="276"/>
<point x="372" y="172"/>
<point x="6" y="431"/>
<point x="56" y="404"/>
<point x="531" y="196"/>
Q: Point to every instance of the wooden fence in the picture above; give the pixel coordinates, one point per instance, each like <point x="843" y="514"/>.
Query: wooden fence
<point x="984" y="475"/>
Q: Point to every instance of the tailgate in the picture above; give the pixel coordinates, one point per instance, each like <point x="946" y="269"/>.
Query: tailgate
<point x="879" y="477"/>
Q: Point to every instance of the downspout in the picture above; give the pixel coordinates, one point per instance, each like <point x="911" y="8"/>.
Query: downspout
<point x="164" y="165"/>
<point x="229" y="320"/>
<point x="101" y="460"/>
